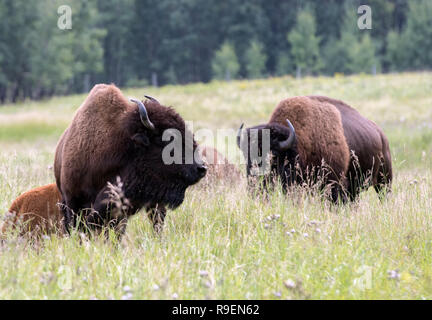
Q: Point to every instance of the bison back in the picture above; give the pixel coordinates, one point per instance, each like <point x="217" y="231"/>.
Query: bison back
<point x="365" y="140"/>
<point x="319" y="131"/>
<point x="92" y="145"/>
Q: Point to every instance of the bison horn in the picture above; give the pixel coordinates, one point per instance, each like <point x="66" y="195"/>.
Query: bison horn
<point x="143" y="114"/>
<point x="285" y="145"/>
<point x="152" y="99"/>
<point x="239" y="134"/>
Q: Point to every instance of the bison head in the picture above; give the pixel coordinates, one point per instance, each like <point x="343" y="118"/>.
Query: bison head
<point x="270" y="151"/>
<point x="151" y="177"/>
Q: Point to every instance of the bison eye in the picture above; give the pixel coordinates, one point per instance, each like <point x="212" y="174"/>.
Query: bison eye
<point x="141" y="139"/>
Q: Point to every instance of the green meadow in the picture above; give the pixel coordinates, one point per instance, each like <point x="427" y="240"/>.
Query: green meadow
<point x="223" y="243"/>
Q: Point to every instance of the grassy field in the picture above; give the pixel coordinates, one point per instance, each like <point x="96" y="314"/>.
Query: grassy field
<point x="223" y="243"/>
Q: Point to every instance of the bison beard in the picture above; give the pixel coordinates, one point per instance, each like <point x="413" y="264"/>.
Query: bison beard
<point x="142" y="192"/>
<point x="109" y="139"/>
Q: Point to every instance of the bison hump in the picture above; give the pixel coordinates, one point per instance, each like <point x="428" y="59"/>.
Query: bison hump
<point x="104" y="105"/>
<point x="96" y="132"/>
<point x="319" y="130"/>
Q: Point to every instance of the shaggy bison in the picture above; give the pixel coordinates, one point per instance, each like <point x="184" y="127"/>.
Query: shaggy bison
<point x="317" y="138"/>
<point x="109" y="163"/>
<point x="36" y="211"/>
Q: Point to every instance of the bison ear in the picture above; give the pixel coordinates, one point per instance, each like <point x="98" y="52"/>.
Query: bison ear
<point x="141" y="139"/>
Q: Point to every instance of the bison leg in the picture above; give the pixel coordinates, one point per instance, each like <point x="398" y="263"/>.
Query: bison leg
<point x="157" y="215"/>
<point x="353" y="186"/>
<point x="384" y="178"/>
<point x="357" y="180"/>
<point x="119" y="226"/>
<point x="338" y="194"/>
<point x="108" y="212"/>
<point x="67" y="214"/>
<point x="100" y="212"/>
<point x="70" y="209"/>
<point x="105" y="212"/>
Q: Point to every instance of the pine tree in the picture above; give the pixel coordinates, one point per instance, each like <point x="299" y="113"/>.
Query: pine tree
<point x="361" y="56"/>
<point x="116" y="19"/>
<point x="87" y="48"/>
<point x="396" y="55"/>
<point x="255" y="60"/>
<point x="304" y="43"/>
<point x="356" y="48"/>
<point x="335" y="57"/>
<point x="17" y="38"/>
<point x="225" y="64"/>
<point x="284" y="64"/>
<point x="417" y="36"/>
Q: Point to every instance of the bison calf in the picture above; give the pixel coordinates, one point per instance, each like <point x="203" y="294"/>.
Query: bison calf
<point x="36" y="212"/>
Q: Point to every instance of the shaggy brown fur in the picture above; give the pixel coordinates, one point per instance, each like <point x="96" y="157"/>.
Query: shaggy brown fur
<point x="370" y="146"/>
<point x="106" y="140"/>
<point x="219" y="168"/>
<point x="353" y="147"/>
<point x="37" y="210"/>
<point x="320" y="135"/>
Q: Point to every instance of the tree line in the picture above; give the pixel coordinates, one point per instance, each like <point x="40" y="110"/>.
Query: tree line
<point x="158" y="42"/>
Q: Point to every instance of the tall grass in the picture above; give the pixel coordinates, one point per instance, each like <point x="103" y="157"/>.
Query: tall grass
<point x="223" y="242"/>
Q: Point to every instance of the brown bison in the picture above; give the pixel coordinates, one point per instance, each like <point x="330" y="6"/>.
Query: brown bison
<point x="219" y="168"/>
<point x="114" y="144"/>
<point x="36" y="211"/>
<point x="317" y="138"/>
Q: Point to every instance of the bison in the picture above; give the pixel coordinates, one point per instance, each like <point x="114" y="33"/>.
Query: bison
<point x="113" y="144"/>
<point x="316" y="138"/>
<point x="219" y="168"/>
<point x="37" y="210"/>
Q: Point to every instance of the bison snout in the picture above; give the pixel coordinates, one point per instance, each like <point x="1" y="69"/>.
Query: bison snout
<point x="193" y="173"/>
<point x="197" y="173"/>
<point x="201" y="170"/>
